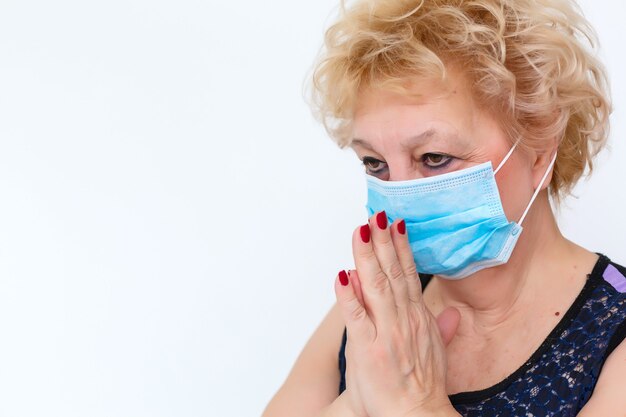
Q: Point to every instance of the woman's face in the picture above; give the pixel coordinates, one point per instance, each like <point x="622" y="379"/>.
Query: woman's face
<point x="439" y="131"/>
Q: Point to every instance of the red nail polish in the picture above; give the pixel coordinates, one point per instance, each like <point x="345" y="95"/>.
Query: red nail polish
<point x="343" y="278"/>
<point x="365" y="233"/>
<point x="401" y="227"/>
<point x="381" y="220"/>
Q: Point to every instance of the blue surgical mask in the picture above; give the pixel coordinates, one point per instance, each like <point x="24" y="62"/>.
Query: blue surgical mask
<point x="455" y="222"/>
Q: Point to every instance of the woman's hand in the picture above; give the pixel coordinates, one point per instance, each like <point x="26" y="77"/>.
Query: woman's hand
<point x="395" y="351"/>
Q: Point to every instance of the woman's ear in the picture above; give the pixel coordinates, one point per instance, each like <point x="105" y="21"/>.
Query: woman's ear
<point x="543" y="165"/>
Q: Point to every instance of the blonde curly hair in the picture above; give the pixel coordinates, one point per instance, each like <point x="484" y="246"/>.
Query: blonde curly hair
<point x="529" y="62"/>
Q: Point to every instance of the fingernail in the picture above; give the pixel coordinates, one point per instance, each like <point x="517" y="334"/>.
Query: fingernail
<point x="365" y="233"/>
<point x="343" y="278"/>
<point x="381" y="220"/>
<point x="401" y="227"/>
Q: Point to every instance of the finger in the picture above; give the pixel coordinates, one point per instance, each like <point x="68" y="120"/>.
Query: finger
<point x="377" y="293"/>
<point x="356" y="283"/>
<point x="405" y="257"/>
<point x="387" y="259"/>
<point x="358" y="322"/>
<point x="448" y="323"/>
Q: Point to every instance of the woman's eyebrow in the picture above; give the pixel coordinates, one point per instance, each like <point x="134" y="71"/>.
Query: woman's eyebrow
<point x="361" y="142"/>
<point x="413" y="140"/>
<point x="427" y="134"/>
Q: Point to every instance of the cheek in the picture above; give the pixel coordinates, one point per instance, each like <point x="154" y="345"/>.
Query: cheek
<point x="515" y="183"/>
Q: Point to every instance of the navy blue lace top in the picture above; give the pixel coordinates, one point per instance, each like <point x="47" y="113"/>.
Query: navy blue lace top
<point x="560" y="376"/>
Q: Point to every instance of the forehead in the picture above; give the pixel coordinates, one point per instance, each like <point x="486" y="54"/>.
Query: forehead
<point x="422" y="102"/>
<point x="430" y="108"/>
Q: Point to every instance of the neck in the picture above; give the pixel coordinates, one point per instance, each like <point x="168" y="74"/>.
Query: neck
<point x="493" y="295"/>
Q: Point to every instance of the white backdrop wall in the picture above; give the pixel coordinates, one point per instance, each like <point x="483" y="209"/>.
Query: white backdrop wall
<point x="171" y="216"/>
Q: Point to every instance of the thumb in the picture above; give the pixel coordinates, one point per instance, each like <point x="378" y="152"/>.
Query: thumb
<point x="353" y="311"/>
<point x="448" y="322"/>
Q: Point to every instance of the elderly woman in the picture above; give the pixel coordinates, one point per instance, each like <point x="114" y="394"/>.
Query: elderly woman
<point x="465" y="298"/>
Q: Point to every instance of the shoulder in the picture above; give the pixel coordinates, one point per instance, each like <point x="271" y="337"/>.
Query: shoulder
<point x="610" y="278"/>
<point x="608" y="397"/>
<point x="613" y="274"/>
<point x="608" y="300"/>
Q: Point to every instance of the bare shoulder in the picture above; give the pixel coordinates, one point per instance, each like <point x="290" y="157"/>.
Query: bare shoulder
<point x="608" y="397"/>
<point x="313" y="382"/>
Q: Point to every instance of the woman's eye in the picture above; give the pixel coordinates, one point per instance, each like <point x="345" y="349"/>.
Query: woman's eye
<point x="436" y="160"/>
<point x="373" y="165"/>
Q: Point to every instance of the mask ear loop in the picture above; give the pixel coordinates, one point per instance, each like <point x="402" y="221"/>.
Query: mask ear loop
<point x="538" y="189"/>
<point x="506" y="157"/>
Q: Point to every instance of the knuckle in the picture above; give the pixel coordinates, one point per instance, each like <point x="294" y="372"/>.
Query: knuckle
<point x="357" y="312"/>
<point x="411" y="269"/>
<point x="394" y="271"/>
<point x="381" y="282"/>
<point x="369" y="256"/>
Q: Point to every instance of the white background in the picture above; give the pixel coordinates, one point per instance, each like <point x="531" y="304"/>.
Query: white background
<point x="172" y="217"/>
